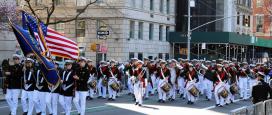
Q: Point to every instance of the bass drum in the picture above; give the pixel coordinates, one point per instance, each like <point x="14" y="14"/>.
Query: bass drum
<point x="92" y="84"/>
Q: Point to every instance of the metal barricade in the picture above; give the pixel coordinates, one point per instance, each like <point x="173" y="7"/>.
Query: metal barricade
<point x="268" y="107"/>
<point x="256" y="109"/>
<point x="240" y="111"/>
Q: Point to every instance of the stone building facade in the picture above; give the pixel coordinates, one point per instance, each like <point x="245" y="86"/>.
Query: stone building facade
<point x="137" y="28"/>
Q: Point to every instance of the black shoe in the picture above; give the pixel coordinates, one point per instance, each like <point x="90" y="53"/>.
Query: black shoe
<point x="9" y="113"/>
<point x="129" y="93"/>
<point x="52" y="114"/>
<point x="112" y="99"/>
<point x="25" y="113"/>
<point x="99" y="97"/>
<point x="208" y="99"/>
<point x="140" y="105"/>
<point x="189" y="102"/>
<point x="88" y="97"/>
<point x="217" y="105"/>
<point x="136" y="103"/>
<point x="39" y="113"/>
<point x="91" y="98"/>
<point x="163" y="101"/>
<point x="220" y="106"/>
<point x="192" y="103"/>
<point x="109" y="99"/>
<point x="181" y="96"/>
<point x="227" y="103"/>
<point x="231" y="101"/>
<point x="159" y="100"/>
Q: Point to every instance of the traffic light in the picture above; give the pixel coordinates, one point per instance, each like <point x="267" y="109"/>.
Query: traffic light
<point x="246" y="22"/>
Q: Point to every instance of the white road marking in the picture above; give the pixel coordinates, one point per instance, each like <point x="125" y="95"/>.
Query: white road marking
<point x="3" y="107"/>
<point x="90" y="108"/>
<point x="211" y="107"/>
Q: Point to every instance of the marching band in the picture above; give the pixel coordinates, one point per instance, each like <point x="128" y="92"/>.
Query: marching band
<point x="79" y="81"/>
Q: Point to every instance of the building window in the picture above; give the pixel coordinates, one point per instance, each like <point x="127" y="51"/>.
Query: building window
<point x="100" y="57"/>
<point x="59" y="2"/>
<point x="132" y="3"/>
<point x="131" y="55"/>
<point x="82" y="51"/>
<point x="238" y="18"/>
<point x="142" y="4"/>
<point x="160" y="56"/>
<point x="60" y="28"/>
<point x="151" y="30"/>
<point x="244" y="20"/>
<point x="168" y="6"/>
<point x="167" y="32"/>
<point x="259" y="23"/>
<point x="80" y="29"/>
<point x="131" y="29"/>
<point x="161" y="6"/>
<point x="141" y="30"/>
<point x="248" y="21"/>
<point x="167" y="57"/>
<point x="140" y="56"/>
<point x="152" y="5"/>
<point x="259" y="3"/>
<point x="160" y="32"/>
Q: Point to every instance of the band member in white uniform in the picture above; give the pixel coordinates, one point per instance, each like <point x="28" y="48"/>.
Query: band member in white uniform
<point x="113" y="76"/>
<point x="163" y="73"/>
<point x="152" y="72"/>
<point x="93" y="74"/>
<point x="53" y="96"/>
<point x="67" y="87"/>
<point x="191" y="78"/>
<point x="102" y="80"/>
<point x="148" y="81"/>
<point x="208" y="81"/>
<point x="243" y="79"/>
<point x="220" y="78"/>
<point x="81" y="76"/>
<point x="13" y="83"/>
<point x="174" y="73"/>
<point x="140" y="84"/>
<point x="40" y="92"/>
<point x="29" y="84"/>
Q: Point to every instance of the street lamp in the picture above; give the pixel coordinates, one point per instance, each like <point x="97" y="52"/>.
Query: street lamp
<point x="191" y="3"/>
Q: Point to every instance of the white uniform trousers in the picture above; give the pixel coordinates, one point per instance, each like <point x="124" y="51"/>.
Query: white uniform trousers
<point x="39" y="99"/>
<point x="91" y="92"/>
<point x="28" y="106"/>
<point x="52" y="103"/>
<point x="12" y="99"/>
<point x="218" y="99"/>
<point x="154" y="83"/>
<point x="36" y="101"/>
<point x="162" y="94"/>
<point x="147" y="88"/>
<point x="190" y="97"/>
<point x="208" y="87"/>
<point x="138" y="92"/>
<point x="201" y="84"/>
<point x="66" y="103"/>
<point x="172" y="93"/>
<point x="181" y="84"/>
<point x="130" y="85"/>
<point x="102" y="90"/>
<point x="80" y="101"/>
<point x="230" y="96"/>
<point x="252" y="82"/>
<point x="243" y="87"/>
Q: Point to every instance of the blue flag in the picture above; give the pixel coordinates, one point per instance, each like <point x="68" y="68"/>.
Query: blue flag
<point x="27" y="44"/>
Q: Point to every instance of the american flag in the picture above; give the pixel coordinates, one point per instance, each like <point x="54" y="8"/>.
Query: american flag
<point x="53" y="42"/>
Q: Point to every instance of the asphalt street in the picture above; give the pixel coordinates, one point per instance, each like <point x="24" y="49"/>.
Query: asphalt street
<point x="124" y="105"/>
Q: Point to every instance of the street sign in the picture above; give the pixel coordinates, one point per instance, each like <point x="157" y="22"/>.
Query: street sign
<point x="103" y="33"/>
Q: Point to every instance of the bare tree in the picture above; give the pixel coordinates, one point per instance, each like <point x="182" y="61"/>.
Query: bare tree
<point x="268" y="6"/>
<point x="7" y="11"/>
<point x="49" y="10"/>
